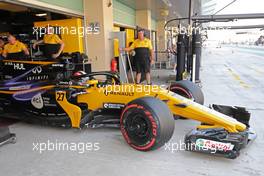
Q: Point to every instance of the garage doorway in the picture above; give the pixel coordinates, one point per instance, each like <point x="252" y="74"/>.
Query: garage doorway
<point x="20" y="20"/>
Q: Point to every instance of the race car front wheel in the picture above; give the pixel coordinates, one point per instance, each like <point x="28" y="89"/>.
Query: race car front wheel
<point x="147" y="124"/>
<point x="188" y="90"/>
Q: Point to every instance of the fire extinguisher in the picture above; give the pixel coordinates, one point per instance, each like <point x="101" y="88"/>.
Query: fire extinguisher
<point x="114" y="65"/>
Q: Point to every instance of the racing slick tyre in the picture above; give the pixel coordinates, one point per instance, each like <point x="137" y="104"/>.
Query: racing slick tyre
<point x="147" y="123"/>
<point x="188" y="90"/>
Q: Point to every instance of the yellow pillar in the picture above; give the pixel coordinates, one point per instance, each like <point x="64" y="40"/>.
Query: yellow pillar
<point x="143" y="19"/>
<point x="99" y="46"/>
<point x="161" y="39"/>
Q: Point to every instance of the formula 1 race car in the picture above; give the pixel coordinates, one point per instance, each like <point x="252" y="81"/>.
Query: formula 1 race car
<point x="55" y="93"/>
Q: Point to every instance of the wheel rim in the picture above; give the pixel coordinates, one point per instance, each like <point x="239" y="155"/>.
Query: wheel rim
<point x="138" y="128"/>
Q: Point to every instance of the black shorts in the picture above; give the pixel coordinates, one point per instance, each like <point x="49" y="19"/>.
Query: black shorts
<point x="133" y="64"/>
<point x="143" y="66"/>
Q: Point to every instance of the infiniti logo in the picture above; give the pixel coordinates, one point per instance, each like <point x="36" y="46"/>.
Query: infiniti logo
<point x="37" y="70"/>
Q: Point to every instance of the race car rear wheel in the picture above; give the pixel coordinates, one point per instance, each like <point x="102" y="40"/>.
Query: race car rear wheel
<point x="147" y="124"/>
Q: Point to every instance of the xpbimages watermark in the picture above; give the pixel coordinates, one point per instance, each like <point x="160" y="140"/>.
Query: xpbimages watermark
<point x="67" y="30"/>
<point x="181" y="29"/>
<point x="129" y="90"/>
<point x="205" y="145"/>
<point x="174" y="147"/>
<point x="79" y="147"/>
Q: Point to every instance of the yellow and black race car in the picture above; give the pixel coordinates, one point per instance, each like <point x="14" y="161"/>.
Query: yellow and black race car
<point x="55" y="93"/>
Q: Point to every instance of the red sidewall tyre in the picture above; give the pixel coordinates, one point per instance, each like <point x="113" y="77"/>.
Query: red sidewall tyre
<point x="147" y="124"/>
<point x="188" y="90"/>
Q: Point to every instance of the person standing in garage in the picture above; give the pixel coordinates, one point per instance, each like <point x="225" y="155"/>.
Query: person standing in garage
<point x="2" y="44"/>
<point x="144" y="56"/>
<point x="173" y="52"/>
<point x="15" y="49"/>
<point x="53" y="45"/>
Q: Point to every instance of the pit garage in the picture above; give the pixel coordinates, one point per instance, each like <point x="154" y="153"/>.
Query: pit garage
<point x="21" y="20"/>
<point x="200" y="115"/>
<point x="27" y="21"/>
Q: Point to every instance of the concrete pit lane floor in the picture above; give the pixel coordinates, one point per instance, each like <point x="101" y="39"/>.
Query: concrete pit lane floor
<point x="231" y="76"/>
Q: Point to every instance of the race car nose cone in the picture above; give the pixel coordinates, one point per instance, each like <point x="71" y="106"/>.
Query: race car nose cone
<point x="218" y="141"/>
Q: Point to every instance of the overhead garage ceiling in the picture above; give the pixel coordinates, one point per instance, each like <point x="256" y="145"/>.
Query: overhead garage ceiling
<point x="176" y="8"/>
<point x="12" y="7"/>
<point x="20" y="19"/>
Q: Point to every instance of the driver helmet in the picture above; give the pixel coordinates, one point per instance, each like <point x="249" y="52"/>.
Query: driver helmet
<point x="79" y="73"/>
<point x="81" y="80"/>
